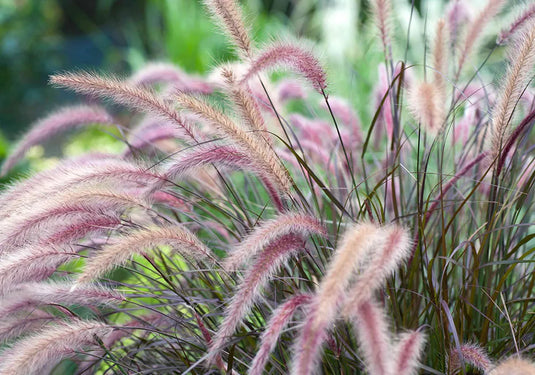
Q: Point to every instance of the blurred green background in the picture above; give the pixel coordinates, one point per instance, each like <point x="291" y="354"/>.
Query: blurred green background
<point x="40" y="37"/>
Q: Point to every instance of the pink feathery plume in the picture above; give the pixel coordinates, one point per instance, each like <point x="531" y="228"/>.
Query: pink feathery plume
<point x="279" y="319"/>
<point x="394" y="249"/>
<point x="270" y="231"/>
<point x="382" y="15"/>
<point x="290" y="89"/>
<point x="256" y="277"/>
<point x="17" y="325"/>
<point x="122" y="249"/>
<point x="75" y="175"/>
<point x="292" y="56"/>
<point x="160" y="72"/>
<point x="407" y="352"/>
<point x="457" y="15"/>
<point x="514" y="366"/>
<point x="51" y="217"/>
<point x="527" y="15"/>
<point x="190" y="161"/>
<point x="375" y="342"/>
<point x="469" y="353"/>
<point x="39" y="353"/>
<point x="28" y="296"/>
<point x="138" y="98"/>
<point x="81" y="227"/>
<point x="356" y="244"/>
<point x="59" y="121"/>
<point x="31" y="263"/>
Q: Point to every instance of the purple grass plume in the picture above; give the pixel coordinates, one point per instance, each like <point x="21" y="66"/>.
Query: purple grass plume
<point x="270" y="231"/>
<point x="291" y="56"/>
<point x="38" y="353"/>
<point x="280" y="319"/>
<point x="64" y="119"/>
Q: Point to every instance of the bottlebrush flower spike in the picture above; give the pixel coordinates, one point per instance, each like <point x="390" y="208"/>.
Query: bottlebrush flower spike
<point x="73" y="175"/>
<point x="31" y="263"/>
<point x="228" y="15"/>
<point x="29" y="296"/>
<point x="441" y="47"/>
<point x="39" y="353"/>
<point x="395" y="248"/>
<point x="522" y="60"/>
<point x="355" y="245"/>
<point x="266" y="233"/>
<point x="160" y="72"/>
<point x="469" y="353"/>
<point x="256" y="277"/>
<point x="137" y="242"/>
<point x="514" y="366"/>
<point x="191" y="160"/>
<point x="243" y="99"/>
<point x="14" y="326"/>
<point x="374" y="339"/>
<point x="279" y="319"/>
<point x="292" y="56"/>
<point x="137" y="98"/>
<point x="407" y="353"/>
<point x="475" y="29"/>
<point x="57" y="122"/>
<point x="525" y="17"/>
<point x="258" y="150"/>
<point x="458" y="16"/>
<point x="382" y="15"/>
<point x="424" y="101"/>
<point x="36" y="223"/>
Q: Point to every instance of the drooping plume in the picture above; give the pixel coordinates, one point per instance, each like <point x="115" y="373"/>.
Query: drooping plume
<point x="38" y="353"/>
<point x="29" y="296"/>
<point x="159" y="72"/>
<point x="522" y="60"/>
<point x="270" y="231"/>
<point x="121" y="92"/>
<point x="256" y="277"/>
<point x="524" y="18"/>
<point x="59" y="121"/>
<point x="355" y="245"/>
<point x="514" y="366"/>
<point x="471" y="354"/>
<point x="258" y="150"/>
<point x="474" y="31"/>
<point x="228" y="15"/>
<point x="138" y="242"/>
<point x="291" y="56"/>
<point x="407" y="353"/>
<point x="386" y="258"/>
<point x="382" y="15"/>
<point x="374" y="339"/>
<point x="279" y="319"/>
<point x="424" y="101"/>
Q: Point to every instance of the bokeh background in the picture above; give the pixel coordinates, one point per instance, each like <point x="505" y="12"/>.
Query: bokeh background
<point x="40" y="37"/>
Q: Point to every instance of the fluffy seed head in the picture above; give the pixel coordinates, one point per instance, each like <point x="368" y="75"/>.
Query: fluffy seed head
<point x="37" y="354"/>
<point x="292" y="56"/>
<point x="514" y="366"/>
<point x="123" y="248"/>
<point x="59" y="121"/>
